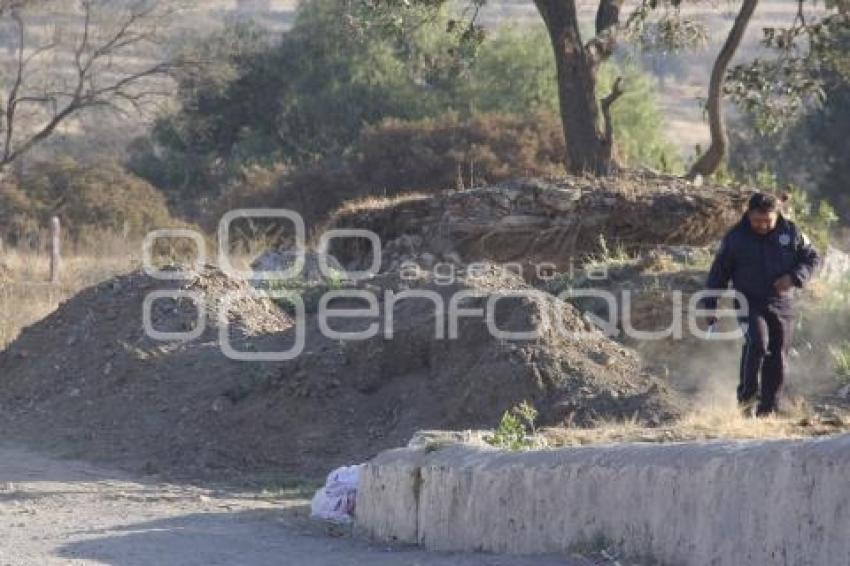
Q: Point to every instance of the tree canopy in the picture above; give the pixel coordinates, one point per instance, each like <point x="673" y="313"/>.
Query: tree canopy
<point x="307" y="96"/>
<point x="777" y="86"/>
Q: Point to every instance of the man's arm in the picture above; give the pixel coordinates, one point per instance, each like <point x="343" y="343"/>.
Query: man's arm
<point x="720" y="272"/>
<point x="808" y="260"/>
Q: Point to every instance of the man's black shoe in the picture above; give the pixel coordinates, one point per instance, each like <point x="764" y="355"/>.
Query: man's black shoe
<point x="764" y="411"/>
<point x="747" y="407"/>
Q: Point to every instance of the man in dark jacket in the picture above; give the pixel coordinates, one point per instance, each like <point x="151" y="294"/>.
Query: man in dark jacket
<point x="765" y="256"/>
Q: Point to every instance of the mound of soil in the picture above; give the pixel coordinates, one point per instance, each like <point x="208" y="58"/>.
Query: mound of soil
<point x="536" y="220"/>
<point x="88" y="381"/>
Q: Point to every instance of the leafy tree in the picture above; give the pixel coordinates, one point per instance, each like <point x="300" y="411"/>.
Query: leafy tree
<point x="807" y="56"/>
<point x="586" y="118"/>
<point x="589" y="143"/>
<point x="827" y="127"/>
<point x="514" y="72"/>
<point x="226" y="112"/>
<point x="774" y="89"/>
<point x="713" y="157"/>
<point x="803" y="139"/>
<point x="638" y="121"/>
<point x="308" y="96"/>
<point x="297" y="100"/>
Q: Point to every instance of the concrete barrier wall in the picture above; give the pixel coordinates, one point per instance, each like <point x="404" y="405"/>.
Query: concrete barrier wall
<point x="714" y="503"/>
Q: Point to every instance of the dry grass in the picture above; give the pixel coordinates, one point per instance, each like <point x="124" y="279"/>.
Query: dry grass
<point x="710" y="423"/>
<point x="371" y="203"/>
<point x="26" y="296"/>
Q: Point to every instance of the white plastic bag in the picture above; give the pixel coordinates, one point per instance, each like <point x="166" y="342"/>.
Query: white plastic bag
<point x="337" y="499"/>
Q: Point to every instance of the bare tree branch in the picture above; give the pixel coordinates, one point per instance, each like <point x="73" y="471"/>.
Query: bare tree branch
<point x="93" y="78"/>
<point x="11" y="103"/>
<point x="616" y="92"/>
<point x="709" y="161"/>
<point x="78" y="52"/>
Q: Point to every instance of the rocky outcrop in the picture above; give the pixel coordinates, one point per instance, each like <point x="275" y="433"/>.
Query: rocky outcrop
<point x="535" y="220"/>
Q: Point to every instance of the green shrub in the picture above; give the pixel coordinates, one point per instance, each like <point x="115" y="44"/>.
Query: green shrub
<point x="298" y="99"/>
<point x="840" y="354"/>
<point x="516" y="429"/>
<point x="639" y="123"/>
<point x="824" y="316"/>
<point x="329" y="90"/>
<point x="311" y="293"/>
<point x="815" y="221"/>
<point x="815" y="218"/>
<point x="515" y="73"/>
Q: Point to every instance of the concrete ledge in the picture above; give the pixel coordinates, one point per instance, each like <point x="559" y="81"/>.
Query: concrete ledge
<point x="714" y="503"/>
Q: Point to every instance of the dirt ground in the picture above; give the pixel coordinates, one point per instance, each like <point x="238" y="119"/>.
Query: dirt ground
<point x="66" y="512"/>
<point x="88" y="382"/>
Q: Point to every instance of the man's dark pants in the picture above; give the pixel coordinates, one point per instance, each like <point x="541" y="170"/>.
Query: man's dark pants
<point x="767" y="341"/>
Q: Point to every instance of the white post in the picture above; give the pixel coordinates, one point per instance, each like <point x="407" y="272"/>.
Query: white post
<point x="55" y="250"/>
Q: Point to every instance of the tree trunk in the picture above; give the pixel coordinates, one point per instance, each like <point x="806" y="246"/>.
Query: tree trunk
<point x="589" y="149"/>
<point x="713" y="157"/>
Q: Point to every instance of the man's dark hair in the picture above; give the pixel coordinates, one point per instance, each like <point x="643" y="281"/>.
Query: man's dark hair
<point x="764" y="202"/>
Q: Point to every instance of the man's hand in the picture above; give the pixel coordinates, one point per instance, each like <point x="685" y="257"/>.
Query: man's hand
<point x="784" y="283"/>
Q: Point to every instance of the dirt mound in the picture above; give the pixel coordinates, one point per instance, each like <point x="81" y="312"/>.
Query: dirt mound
<point x="88" y="380"/>
<point x="536" y="220"/>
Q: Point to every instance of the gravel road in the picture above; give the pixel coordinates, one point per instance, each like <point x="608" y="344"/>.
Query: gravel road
<point x="55" y="511"/>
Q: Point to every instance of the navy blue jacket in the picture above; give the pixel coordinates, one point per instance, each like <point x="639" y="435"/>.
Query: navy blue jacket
<point x="753" y="262"/>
